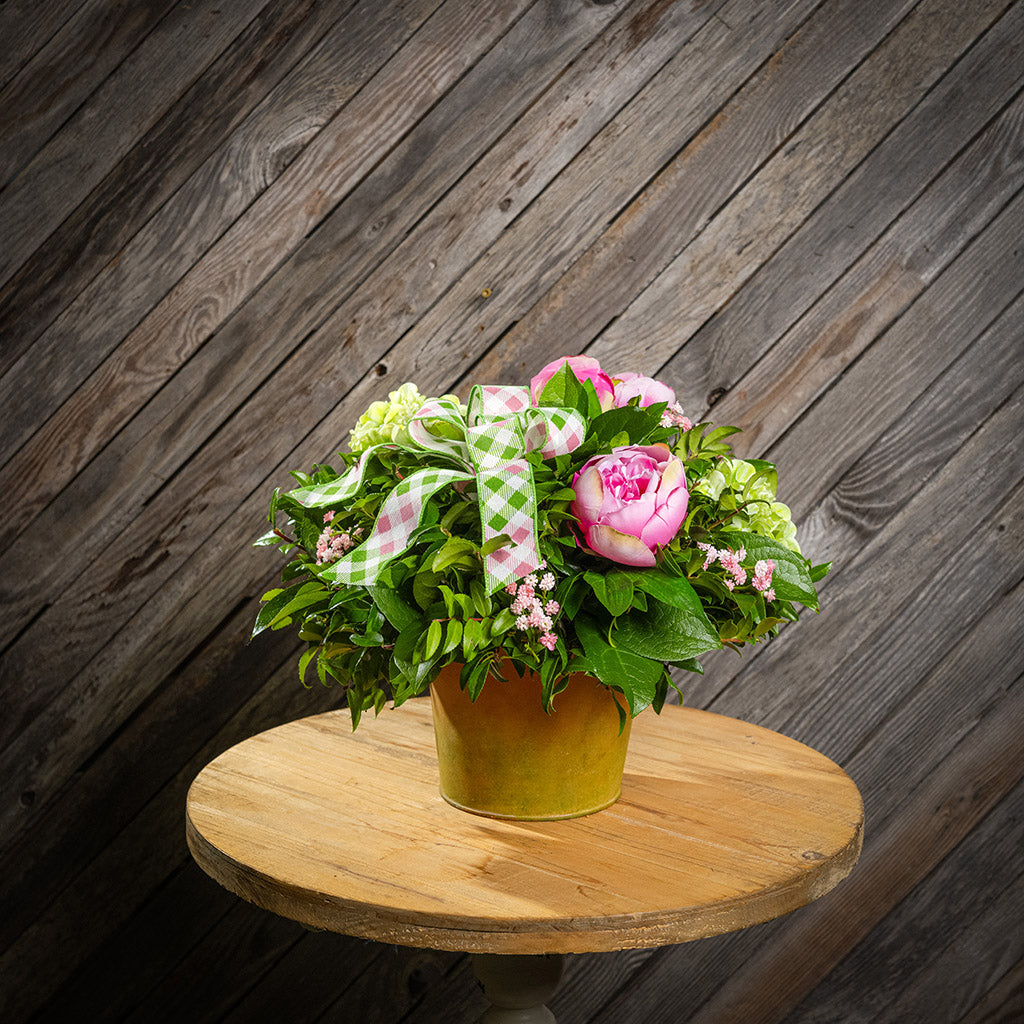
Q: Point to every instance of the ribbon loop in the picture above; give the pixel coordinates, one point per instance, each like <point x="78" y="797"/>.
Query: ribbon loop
<point x="487" y="441"/>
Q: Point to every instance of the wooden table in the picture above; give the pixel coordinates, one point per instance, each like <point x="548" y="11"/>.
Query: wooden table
<point x="720" y="825"/>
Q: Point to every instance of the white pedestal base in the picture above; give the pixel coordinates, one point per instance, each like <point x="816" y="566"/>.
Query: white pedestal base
<point x="518" y="986"/>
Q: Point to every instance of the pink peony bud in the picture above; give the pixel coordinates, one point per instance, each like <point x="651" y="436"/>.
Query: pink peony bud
<point x="634" y="385"/>
<point x="630" y="501"/>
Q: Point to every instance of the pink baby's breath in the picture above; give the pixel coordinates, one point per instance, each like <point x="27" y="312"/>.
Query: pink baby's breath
<point x="763" y="576"/>
<point x="730" y="561"/>
<point x="673" y="417"/>
<point x="549" y="640"/>
<point x="711" y="554"/>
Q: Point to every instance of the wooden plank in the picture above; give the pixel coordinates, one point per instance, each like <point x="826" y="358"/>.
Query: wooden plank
<point x="251" y="943"/>
<point x="968" y="296"/>
<point x="579" y="303"/>
<point x="25" y="27"/>
<point x="341" y="155"/>
<point x="877" y="485"/>
<point x="809" y="263"/>
<point x="48" y="847"/>
<point x="854" y="127"/>
<point x="981" y="953"/>
<point x="103" y="896"/>
<point x="991" y="464"/>
<point x="111" y="981"/>
<point x="73" y="63"/>
<point x="257" y="422"/>
<point x="346" y="243"/>
<point x="1004" y="1002"/>
<point x="298" y="988"/>
<point x="903" y="952"/>
<point x="871" y="297"/>
<point x="113" y="119"/>
<point x="891" y="274"/>
<point x="123" y="265"/>
<point x="574" y="206"/>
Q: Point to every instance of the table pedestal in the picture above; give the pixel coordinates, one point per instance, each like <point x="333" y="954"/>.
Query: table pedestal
<point x="518" y="986"/>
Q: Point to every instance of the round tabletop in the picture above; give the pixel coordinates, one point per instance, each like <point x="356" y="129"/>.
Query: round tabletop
<point x="720" y="825"/>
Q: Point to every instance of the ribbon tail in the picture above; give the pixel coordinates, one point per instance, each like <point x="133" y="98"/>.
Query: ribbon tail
<point x="399" y="516"/>
<point x="508" y="504"/>
<point x="337" y="491"/>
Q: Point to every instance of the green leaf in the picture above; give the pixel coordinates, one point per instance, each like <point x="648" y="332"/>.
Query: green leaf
<point x="473" y="677"/>
<point x="819" y="572"/>
<point x="689" y="665"/>
<point x="792" y="577"/>
<point x="634" y="422"/>
<point x="395" y="610"/>
<point x="613" y="589"/>
<point x="286" y="603"/>
<point x="424" y="588"/>
<point x="482" y="604"/>
<point x="304" y="660"/>
<point x="434" y="634"/>
<point x="501" y="623"/>
<point x="563" y="389"/>
<point x="668" y="632"/>
<point x="406" y="644"/>
<point x="672" y="590"/>
<point x="453" y="637"/>
<point x="636" y="676"/>
<point x="495" y="544"/>
<point x="456" y="551"/>
<point x="472" y="637"/>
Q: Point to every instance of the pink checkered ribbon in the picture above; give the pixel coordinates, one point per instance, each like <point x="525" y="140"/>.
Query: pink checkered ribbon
<point x="487" y="443"/>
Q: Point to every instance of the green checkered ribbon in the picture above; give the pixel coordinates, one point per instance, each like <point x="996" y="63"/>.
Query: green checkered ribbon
<point x="486" y="443"/>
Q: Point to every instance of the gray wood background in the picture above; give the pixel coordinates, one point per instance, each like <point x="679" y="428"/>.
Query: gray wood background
<point x="227" y="225"/>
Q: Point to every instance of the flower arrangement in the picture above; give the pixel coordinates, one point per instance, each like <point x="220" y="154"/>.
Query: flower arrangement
<point x="581" y="525"/>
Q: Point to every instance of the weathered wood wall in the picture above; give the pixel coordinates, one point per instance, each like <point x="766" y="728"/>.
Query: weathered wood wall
<point x="227" y="225"/>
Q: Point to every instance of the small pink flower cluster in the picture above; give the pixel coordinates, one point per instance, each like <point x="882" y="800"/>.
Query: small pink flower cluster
<point x="531" y="609"/>
<point x="762" y="581"/>
<point x="730" y="561"/>
<point x="331" y="546"/>
<point x="673" y="417"/>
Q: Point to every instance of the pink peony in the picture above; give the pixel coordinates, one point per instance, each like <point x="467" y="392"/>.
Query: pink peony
<point x="634" y="385"/>
<point x="630" y="501"/>
<point x="584" y="369"/>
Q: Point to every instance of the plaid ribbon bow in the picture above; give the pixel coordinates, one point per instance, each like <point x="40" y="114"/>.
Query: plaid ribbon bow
<point x="487" y="444"/>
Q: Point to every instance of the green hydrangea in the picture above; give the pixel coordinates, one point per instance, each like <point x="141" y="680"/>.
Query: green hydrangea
<point x="734" y="482"/>
<point x="386" y="422"/>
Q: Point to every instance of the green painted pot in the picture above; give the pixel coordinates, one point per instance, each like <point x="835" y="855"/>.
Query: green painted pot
<point x="502" y="756"/>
